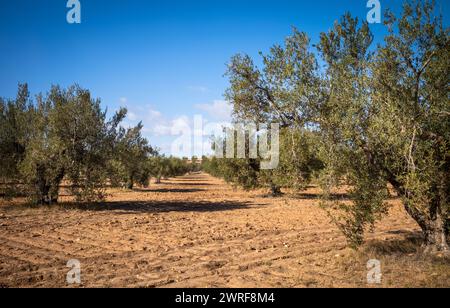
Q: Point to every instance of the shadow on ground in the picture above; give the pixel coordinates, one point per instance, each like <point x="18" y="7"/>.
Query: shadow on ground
<point x="162" y="206"/>
<point x="331" y="197"/>
<point x="126" y="207"/>
<point x="169" y="190"/>
<point x="189" y="183"/>
<point x="410" y="244"/>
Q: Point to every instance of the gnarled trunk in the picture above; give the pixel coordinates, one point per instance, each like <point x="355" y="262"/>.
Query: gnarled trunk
<point x="434" y="228"/>
<point x="436" y="235"/>
<point x="45" y="197"/>
<point x="275" y="190"/>
<point x="447" y="229"/>
<point x="47" y="190"/>
<point x="434" y="224"/>
<point x="130" y="183"/>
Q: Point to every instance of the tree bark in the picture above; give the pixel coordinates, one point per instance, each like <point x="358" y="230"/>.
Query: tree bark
<point x="447" y="228"/>
<point x="275" y="190"/>
<point x="435" y="226"/>
<point x="130" y="183"/>
<point x="48" y="190"/>
<point x="436" y="235"/>
<point x="47" y="194"/>
<point x="434" y="229"/>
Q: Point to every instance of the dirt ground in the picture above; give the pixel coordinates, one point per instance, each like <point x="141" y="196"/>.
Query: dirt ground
<point x="196" y="231"/>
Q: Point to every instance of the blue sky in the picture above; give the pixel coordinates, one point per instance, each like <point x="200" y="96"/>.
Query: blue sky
<point x="163" y="60"/>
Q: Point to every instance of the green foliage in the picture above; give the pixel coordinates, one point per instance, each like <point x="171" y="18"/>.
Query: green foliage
<point x="15" y="131"/>
<point x="299" y="164"/>
<point x="299" y="160"/>
<point x="375" y="117"/>
<point x="62" y="138"/>
<point x="280" y="92"/>
<point x="243" y="172"/>
<point x="131" y="155"/>
<point x="386" y="123"/>
<point x="164" y="167"/>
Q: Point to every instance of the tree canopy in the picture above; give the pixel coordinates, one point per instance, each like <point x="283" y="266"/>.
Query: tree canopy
<point x="374" y="117"/>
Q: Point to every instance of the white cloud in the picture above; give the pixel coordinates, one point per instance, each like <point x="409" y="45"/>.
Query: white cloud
<point x="219" y="110"/>
<point x="165" y="131"/>
<point x="172" y="127"/>
<point x="132" y="116"/>
<point x="123" y="100"/>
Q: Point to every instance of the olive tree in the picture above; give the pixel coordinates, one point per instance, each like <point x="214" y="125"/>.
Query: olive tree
<point x="385" y="120"/>
<point x="164" y="167"/>
<point x="412" y="121"/>
<point x="281" y="92"/>
<point x="378" y="117"/>
<point x="16" y="125"/>
<point x="131" y="154"/>
<point x="60" y="138"/>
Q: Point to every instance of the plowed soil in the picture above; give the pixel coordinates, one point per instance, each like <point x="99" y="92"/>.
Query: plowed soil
<point x="196" y="231"/>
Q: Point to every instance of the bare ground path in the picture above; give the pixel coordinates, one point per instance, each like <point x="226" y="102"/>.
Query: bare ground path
<point x="196" y="231"/>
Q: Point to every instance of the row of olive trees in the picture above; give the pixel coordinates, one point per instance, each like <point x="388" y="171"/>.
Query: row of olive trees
<point x="65" y="139"/>
<point x="62" y="136"/>
<point x="299" y="163"/>
<point x="379" y="117"/>
<point x="162" y="167"/>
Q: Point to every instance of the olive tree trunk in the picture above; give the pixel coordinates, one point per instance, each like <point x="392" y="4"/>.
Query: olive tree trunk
<point x="434" y="228"/>
<point x="130" y="183"/>
<point x="447" y="229"/>
<point x="275" y="190"/>
<point x="436" y="235"/>
<point x="47" y="190"/>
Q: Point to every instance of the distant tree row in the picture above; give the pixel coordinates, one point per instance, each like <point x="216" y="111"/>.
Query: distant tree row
<point x="64" y="138"/>
<point x="299" y="163"/>
<point x="376" y="118"/>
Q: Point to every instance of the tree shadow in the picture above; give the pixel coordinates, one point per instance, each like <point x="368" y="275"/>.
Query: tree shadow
<point x="410" y="244"/>
<point x="125" y="207"/>
<point x="192" y="184"/>
<point x="332" y="197"/>
<point x="191" y="178"/>
<point x="168" y="190"/>
<point x="184" y="181"/>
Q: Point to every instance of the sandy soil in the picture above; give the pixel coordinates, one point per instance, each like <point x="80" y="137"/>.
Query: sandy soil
<point x="196" y="231"/>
